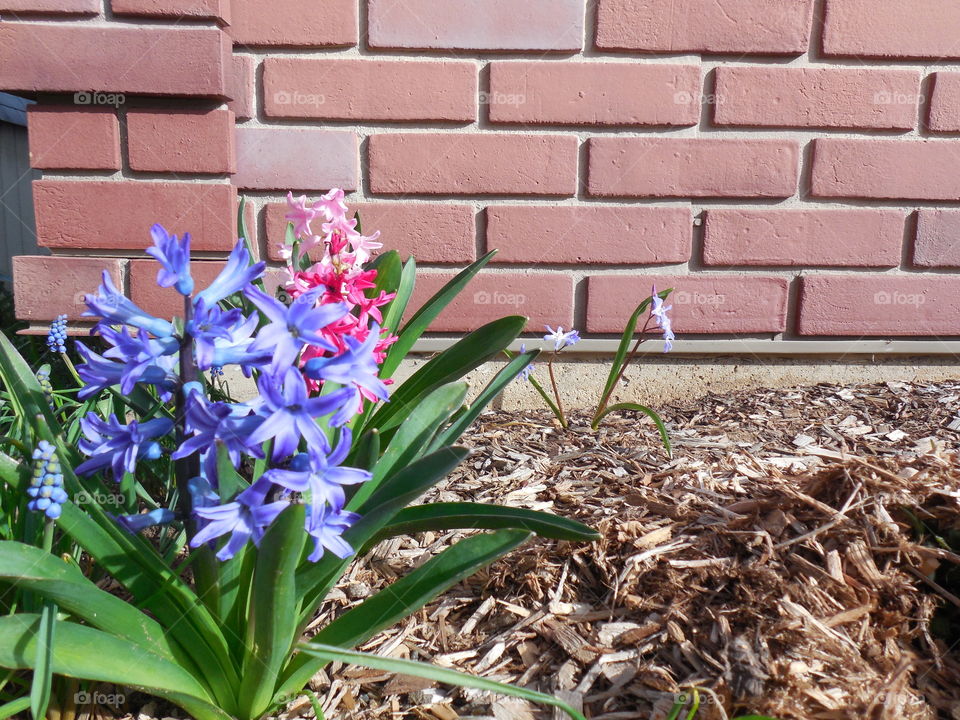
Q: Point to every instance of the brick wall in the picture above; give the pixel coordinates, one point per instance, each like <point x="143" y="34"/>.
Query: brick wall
<point x="792" y="167"/>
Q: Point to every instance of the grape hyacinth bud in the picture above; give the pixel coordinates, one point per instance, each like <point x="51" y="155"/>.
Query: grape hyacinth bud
<point x="57" y="337"/>
<point x="46" y="486"/>
<point x="43" y="377"/>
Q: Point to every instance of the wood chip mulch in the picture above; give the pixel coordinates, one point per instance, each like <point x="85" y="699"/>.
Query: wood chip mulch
<point x="772" y="563"/>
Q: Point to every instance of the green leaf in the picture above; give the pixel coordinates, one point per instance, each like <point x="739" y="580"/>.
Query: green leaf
<point x="43" y="664"/>
<point x="26" y="395"/>
<point x="413" y="436"/>
<point x="89" y="654"/>
<point x="406" y="596"/>
<point x="275" y="604"/>
<point x="394" y="314"/>
<point x="366" y="451"/>
<point x="13" y="707"/>
<point x="428" y="312"/>
<point x="503" y="378"/>
<point x="480" y="516"/>
<point x="452" y="364"/>
<point x="389" y="269"/>
<point x="328" y="653"/>
<point x="661" y="428"/>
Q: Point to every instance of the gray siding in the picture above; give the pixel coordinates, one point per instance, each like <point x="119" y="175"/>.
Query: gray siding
<point x="17" y="228"/>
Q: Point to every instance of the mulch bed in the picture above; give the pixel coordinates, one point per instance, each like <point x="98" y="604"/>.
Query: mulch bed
<point x="772" y="563"/>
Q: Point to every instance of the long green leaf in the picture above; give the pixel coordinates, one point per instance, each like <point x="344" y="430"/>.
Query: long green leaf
<point x="89" y="654"/>
<point x="661" y="428"/>
<point x="406" y="596"/>
<point x="26" y="395"/>
<point x="328" y="653"/>
<point x="274" y="600"/>
<point x="481" y="516"/>
<point x="450" y="365"/>
<point x="43" y="664"/>
<point x="398" y="306"/>
<point x="428" y="312"/>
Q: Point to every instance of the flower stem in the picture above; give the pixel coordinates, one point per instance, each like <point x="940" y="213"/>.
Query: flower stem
<point x="188" y="467"/>
<point x="623" y="368"/>
<point x="556" y="394"/>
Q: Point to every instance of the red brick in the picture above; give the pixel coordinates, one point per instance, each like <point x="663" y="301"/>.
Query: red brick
<point x="57" y="7"/>
<point x="938" y="238"/>
<point x="945" y="103"/>
<point x="592" y="93"/>
<point x="166" y="302"/>
<point x="45" y="287"/>
<point x="241" y="87"/>
<point x="545" y="298"/>
<point x="368" y="89"/>
<point x="473" y="164"/>
<point x="296" y="158"/>
<point x="821" y="97"/>
<point x="187" y="9"/>
<point x="292" y="23"/>
<point x="882" y="304"/>
<point x="118" y="215"/>
<point x="832" y="237"/>
<point x="692" y="167"/>
<point x="114" y="58"/>
<point x="181" y="141"/>
<point x="889" y="169"/>
<point x="66" y="138"/>
<point x="476" y="24"/>
<point x="576" y="234"/>
<point x="701" y="303"/>
<point x="759" y="27"/>
<point x="431" y="232"/>
<point x="892" y="28"/>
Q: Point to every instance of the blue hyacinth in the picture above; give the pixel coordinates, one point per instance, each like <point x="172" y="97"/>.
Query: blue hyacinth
<point x="46" y="486"/>
<point x="57" y="337"/>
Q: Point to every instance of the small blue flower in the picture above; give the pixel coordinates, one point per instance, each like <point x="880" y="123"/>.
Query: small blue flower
<point x="293" y="327"/>
<point x="174" y="256"/>
<point x="659" y="313"/>
<point x="46" y="486"/>
<point x="290" y="413"/>
<point x="108" y="443"/>
<point x="57" y="337"/>
<point x="525" y="373"/>
<point x="236" y="274"/>
<point x="137" y="523"/>
<point x="111" y="305"/>
<point x="225" y="337"/>
<point x="326" y="525"/>
<point x="244" y="519"/>
<point x="560" y="339"/>
<point x="141" y="357"/>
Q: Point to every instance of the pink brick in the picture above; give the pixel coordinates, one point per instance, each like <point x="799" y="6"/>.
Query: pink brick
<point x="476" y="24"/>
<point x="293" y="23"/>
<point x="45" y="287"/>
<point x="296" y="158"/>
<point x="114" y="58"/>
<point x="821" y="97"/>
<point x="889" y="169"/>
<point x="938" y="238"/>
<point x="829" y="237"/>
<point x="592" y="93"/>
<point x="118" y="215"/>
<point x="58" y="7"/>
<point x="431" y="232"/>
<point x="892" y="28"/>
<point x="759" y="27"/>
<point x="886" y="305"/>
<point x="473" y="164"/>
<point x="596" y="234"/>
<point x="370" y="89"/>
<point x="187" y="9"/>
<point x="701" y="303"/>
<point x="241" y="87"/>
<point x="181" y="141"/>
<point x="545" y="298"/>
<point x="692" y="167"/>
<point x="70" y="139"/>
<point x="945" y="103"/>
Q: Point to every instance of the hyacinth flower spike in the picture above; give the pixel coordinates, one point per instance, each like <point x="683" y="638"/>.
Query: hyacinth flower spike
<point x="174" y="257"/>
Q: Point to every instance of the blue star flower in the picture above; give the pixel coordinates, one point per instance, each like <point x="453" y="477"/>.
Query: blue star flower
<point x="326" y="526"/>
<point x="141" y="356"/>
<point x="137" y="523"/>
<point x="236" y="274"/>
<point x="244" y="519"/>
<point x="658" y="311"/>
<point x="108" y="443"/>
<point x="99" y="373"/>
<point x="174" y="256"/>
<point x="115" y="309"/>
